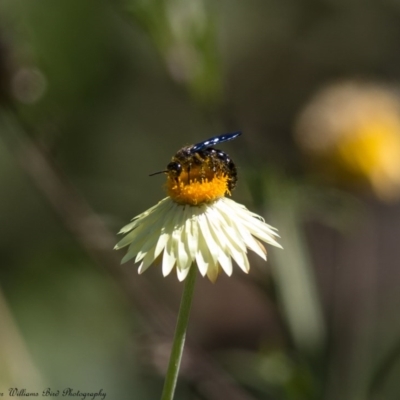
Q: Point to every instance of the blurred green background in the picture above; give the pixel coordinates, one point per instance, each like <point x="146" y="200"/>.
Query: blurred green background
<point x="95" y="95"/>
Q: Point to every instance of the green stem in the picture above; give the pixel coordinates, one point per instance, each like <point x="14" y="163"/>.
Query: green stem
<point x="180" y="335"/>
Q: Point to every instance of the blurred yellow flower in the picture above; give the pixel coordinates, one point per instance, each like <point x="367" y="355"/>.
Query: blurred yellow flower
<point x="354" y="129"/>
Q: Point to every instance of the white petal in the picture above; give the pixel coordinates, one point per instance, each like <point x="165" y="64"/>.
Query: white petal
<point x="169" y="260"/>
<point x="128" y="256"/>
<point x="144" y="223"/>
<point x="148" y="245"/>
<point x="212" y="273"/>
<point x="162" y="241"/>
<point x="233" y="239"/>
<point x="242" y="261"/>
<point x="226" y="263"/>
<point x="137" y="234"/>
<point x="210" y="243"/>
<point x="177" y="245"/>
<point x="259" y="233"/>
<point x="202" y="256"/>
<point x="136" y="220"/>
<point x="221" y="240"/>
<point x="147" y="261"/>
<point x="230" y="229"/>
<point x="133" y="249"/>
<point x="130" y="237"/>
<point x="185" y="259"/>
<point x="248" y="217"/>
<point x="250" y="220"/>
<point x="214" y="225"/>
<point x="182" y="274"/>
<point x="250" y="242"/>
<point x="191" y="242"/>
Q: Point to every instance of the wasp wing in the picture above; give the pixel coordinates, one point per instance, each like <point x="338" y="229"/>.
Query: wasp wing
<point x="214" y="141"/>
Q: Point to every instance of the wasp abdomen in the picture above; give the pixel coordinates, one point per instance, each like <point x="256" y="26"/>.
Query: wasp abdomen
<point x="201" y="162"/>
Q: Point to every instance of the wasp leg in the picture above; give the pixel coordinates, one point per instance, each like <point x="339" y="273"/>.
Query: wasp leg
<point x="201" y="158"/>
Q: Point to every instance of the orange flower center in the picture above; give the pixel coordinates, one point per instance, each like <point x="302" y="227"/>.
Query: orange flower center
<point x="199" y="186"/>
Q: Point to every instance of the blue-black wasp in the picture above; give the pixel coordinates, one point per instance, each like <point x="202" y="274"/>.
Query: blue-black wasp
<point x="204" y="157"/>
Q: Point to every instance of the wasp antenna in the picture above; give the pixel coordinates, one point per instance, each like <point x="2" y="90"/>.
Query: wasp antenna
<point x="158" y="172"/>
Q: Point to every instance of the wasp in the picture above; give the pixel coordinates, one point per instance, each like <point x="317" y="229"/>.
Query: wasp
<point x="203" y="157"/>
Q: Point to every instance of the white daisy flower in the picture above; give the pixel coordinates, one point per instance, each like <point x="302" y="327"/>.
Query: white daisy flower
<point x="197" y="224"/>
